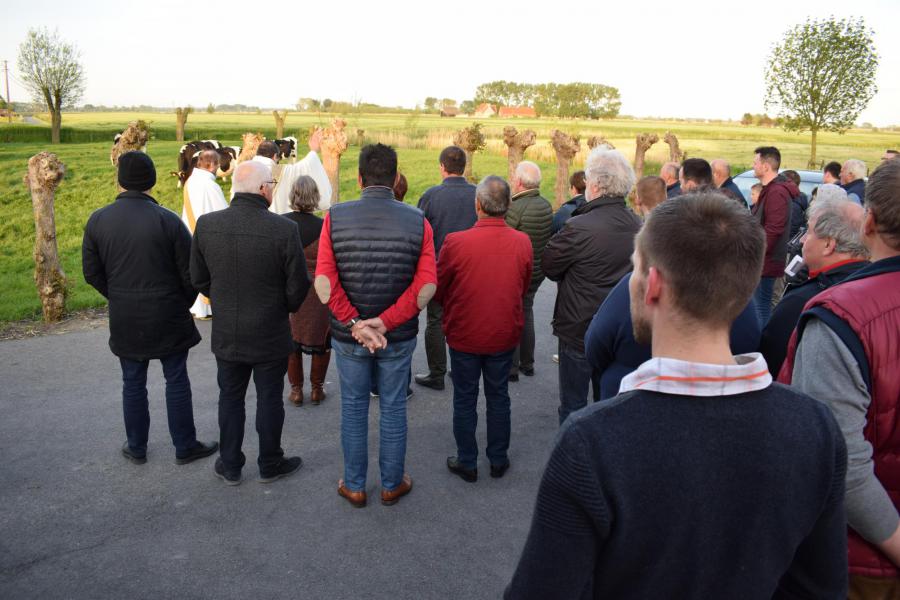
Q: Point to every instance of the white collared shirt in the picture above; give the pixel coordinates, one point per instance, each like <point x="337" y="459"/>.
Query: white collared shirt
<point x="683" y="378"/>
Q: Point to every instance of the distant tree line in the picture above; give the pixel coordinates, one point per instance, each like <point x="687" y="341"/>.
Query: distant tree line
<point x="564" y="100"/>
<point x="762" y="120"/>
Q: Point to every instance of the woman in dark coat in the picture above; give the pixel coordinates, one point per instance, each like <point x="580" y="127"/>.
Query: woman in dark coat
<point x="309" y="325"/>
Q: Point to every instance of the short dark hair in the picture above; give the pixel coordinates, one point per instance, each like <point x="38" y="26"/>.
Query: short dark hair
<point x="709" y="250"/>
<point x="697" y="170"/>
<point x="454" y="160"/>
<point x="577" y="181"/>
<point x="833" y="168"/>
<point x="771" y="155"/>
<point x="400" y="187"/>
<point x="378" y="165"/>
<point x="792" y="175"/>
<point x="493" y="195"/>
<point x="267" y="149"/>
<point x="651" y="190"/>
<point x="883" y="201"/>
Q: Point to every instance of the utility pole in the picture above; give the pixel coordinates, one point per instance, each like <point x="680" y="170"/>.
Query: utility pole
<point x="8" y="102"/>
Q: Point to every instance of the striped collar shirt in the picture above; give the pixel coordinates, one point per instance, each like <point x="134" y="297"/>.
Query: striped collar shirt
<point x="683" y="378"/>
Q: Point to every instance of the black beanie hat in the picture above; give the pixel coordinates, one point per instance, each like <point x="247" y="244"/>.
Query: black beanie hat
<point x="136" y="171"/>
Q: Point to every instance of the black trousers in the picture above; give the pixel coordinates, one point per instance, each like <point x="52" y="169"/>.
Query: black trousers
<point x="234" y="377"/>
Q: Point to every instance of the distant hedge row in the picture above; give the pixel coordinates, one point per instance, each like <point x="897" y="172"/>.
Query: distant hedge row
<point x="74" y="135"/>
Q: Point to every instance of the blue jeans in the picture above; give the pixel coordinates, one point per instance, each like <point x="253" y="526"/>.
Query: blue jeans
<point x="576" y="378"/>
<point x="355" y="366"/>
<point x="467" y="370"/>
<point x="763" y="298"/>
<point x="179" y="405"/>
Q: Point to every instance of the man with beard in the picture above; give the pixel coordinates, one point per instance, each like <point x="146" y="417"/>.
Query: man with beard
<point x="701" y="474"/>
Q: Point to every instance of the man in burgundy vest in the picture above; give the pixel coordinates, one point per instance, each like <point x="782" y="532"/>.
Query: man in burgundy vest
<point x="846" y="353"/>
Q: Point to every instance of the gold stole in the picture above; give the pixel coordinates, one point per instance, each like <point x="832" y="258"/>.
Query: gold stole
<point x="192" y="224"/>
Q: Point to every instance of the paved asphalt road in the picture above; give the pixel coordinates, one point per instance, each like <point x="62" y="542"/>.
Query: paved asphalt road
<point x="79" y="521"/>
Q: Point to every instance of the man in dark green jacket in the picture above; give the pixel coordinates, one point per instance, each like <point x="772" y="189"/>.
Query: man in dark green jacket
<point x="532" y="214"/>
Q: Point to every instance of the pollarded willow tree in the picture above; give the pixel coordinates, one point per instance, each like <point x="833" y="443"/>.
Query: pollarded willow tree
<point x="51" y="70"/>
<point x="821" y="76"/>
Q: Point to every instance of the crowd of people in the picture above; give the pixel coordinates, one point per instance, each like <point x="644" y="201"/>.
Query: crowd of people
<point x="743" y="357"/>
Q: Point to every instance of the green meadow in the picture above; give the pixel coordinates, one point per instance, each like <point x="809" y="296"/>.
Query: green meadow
<point x="90" y="178"/>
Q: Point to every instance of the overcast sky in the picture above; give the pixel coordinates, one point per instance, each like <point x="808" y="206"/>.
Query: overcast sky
<point x="683" y="59"/>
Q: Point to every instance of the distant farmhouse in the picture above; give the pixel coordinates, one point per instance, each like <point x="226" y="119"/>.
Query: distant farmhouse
<point x="449" y="111"/>
<point x="516" y="111"/>
<point x="485" y="110"/>
<point x="489" y="110"/>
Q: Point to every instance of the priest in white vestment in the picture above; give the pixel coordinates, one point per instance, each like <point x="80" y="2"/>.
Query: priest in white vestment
<point x="284" y="175"/>
<point x="202" y="195"/>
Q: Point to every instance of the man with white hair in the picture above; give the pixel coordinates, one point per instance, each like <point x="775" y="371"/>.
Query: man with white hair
<point x="832" y="250"/>
<point x="202" y="195"/>
<point x="587" y="258"/>
<point x="669" y="174"/>
<point x="721" y="174"/>
<point x="531" y="213"/>
<point x="255" y="282"/>
<point x="853" y="174"/>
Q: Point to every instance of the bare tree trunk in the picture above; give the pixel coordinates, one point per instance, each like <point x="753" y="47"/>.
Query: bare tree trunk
<point x="134" y="137"/>
<point x="55" y="125"/>
<point x="599" y="140"/>
<point x="812" y="150"/>
<point x="566" y="147"/>
<point x="334" y="143"/>
<point x="517" y="144"/>
<point x="44" y="174"/>
<point x="643" y="143"/>
<point x="249" y="144"/>
<point x="279" y="123"/>
<point x="675" y="153"/>
<point x="470" y="139"/>
<point x="181" y="116"/>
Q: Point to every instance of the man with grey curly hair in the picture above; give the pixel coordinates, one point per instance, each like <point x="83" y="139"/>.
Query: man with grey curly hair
<point x="833" y="250"/>
<point x="588" y="256"/>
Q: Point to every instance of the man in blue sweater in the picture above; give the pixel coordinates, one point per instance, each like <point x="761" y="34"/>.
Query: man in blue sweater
<point x="702" y="479"/>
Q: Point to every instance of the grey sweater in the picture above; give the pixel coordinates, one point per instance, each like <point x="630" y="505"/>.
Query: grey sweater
<point x="825" y="369"/>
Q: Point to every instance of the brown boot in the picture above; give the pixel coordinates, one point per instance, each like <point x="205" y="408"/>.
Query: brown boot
<point x="317" y="376"/>
<point x="295" y="376"/>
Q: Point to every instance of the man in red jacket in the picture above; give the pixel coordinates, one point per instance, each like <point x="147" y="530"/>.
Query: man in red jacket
<point x="483" y="275"/>
<point x="845" y="353"/>
<point x="773" y="211"/>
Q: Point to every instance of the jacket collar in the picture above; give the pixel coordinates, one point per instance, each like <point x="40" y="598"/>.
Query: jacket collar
<point x="381" y="192"/>
<point x="851" y="265"/>
<point x="455" y="180"/>
<point x="597" y="203"/>
<point x="524" y="193"/>
<point x="879" y="267"/>
<point x="575" y="201"/>
<point x="135" y="195"/>
<point x="490" y="222"/>
<point x="855" y="185"/>
<point x="250" y="200"/>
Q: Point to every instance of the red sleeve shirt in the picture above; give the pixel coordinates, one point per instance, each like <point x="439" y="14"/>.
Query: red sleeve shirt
<point x="406" y="306"/>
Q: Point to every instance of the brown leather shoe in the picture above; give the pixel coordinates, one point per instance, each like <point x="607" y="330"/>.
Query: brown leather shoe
<point x="357" y="499"/>
<point x="390" y="497"/>
<point x="296" y="396"/>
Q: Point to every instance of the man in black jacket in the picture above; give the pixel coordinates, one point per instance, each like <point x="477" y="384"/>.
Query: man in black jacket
<point x="136" y="254"/>
<point x="833" y="250"/>
<point x="249" y="262"/>
<point x="587" y="258"/>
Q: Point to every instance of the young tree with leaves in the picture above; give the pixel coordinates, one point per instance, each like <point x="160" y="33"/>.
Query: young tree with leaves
<point x="51" y="71"/>
<point x="821" y="76"/>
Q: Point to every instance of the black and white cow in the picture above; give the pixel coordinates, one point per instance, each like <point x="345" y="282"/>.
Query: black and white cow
<point x="287" y="148"/>
<point x="188" y="155"/>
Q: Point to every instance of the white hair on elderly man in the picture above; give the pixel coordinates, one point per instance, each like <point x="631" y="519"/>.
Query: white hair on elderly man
<point x="249" y="176"/>
<point x="841" y="221"/>
<point x="528" y="174"/>
<point x="608" y="173"/>
<point x="856" y="168"/>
